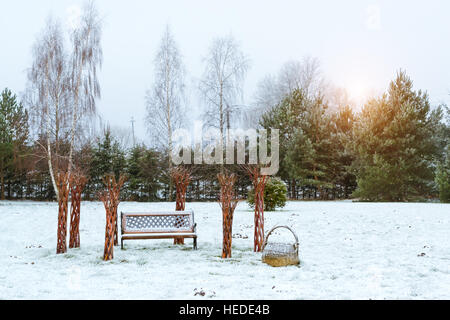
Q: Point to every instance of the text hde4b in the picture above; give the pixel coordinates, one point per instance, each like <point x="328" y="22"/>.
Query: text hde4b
<point x="242" y="309"/>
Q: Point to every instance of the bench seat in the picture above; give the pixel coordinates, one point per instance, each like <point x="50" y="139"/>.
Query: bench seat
<point x="158" y="225"/>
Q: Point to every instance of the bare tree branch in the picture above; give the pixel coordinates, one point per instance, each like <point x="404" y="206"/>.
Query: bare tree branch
<point x="87" y="57"/>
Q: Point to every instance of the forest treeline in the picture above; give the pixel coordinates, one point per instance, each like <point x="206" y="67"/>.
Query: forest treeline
<point x="395" y="149"/>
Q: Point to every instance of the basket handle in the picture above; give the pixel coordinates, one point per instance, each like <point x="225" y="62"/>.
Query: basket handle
<point x="276" y="227"/>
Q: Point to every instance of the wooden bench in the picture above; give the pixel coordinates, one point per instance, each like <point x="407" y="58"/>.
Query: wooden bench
<point x="158" y="225"/>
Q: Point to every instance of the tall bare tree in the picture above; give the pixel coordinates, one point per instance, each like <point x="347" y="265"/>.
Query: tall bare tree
<point x="165" y="99"/>
<point x="48" y="93"/>
<point x="222" y="83"/>
<point x="86" y="59"/>
<point x="305" y="75"/>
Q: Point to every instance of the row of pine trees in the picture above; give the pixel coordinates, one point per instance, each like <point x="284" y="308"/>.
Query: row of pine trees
<point x="395" y="149"/>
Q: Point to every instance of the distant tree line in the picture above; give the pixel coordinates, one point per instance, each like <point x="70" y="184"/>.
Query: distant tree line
<point x="395" y="149"/>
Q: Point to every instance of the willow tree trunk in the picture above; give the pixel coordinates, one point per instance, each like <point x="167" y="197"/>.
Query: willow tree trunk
<point x="108" y="253"/>
<point x="259" y="215"/>
<point x="181" y="178"/>
<point x="259" y="183"/>
<point x="228" y="204"/>
<point x="63" y="182"/>
<point x="78" y="184"/>
<point x="110" y="199"/>
<point x="115" y="225"/>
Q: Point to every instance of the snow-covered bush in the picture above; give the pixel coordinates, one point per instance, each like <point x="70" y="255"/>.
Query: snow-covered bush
<point x="274" y="195"/>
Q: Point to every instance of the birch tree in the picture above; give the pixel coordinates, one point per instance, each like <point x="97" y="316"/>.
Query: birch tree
<point x="86" y="59"/>
<point x="165" y="99"/>
<point x="47" y="93"/>
<point x="222" y="83"/>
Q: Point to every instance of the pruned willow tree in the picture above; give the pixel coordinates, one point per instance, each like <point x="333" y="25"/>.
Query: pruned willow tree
<point x="165" y="99"/>
<point x="222" y="83"/>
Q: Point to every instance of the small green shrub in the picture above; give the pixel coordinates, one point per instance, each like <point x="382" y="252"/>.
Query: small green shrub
<point x="274" y="195"/>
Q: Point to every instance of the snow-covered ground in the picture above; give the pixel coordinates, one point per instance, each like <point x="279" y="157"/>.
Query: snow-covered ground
<point x="348" y="251"/>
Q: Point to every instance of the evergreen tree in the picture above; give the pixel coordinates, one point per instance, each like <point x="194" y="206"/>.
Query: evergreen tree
<point x="307" y="159"/>
<point x="343" y="179"/>
<point x="13" y="138"/>
<point x="118" y="159"/>
<point x="107" y="158"/>
<point x="395" y="144"/>
<point x="135" y="181"/>
<point x="150" y="166"/>
<point x="310" y="157"/>
<point x="143" y="170"/>
<point x="443" y="179"/>
<point x="443" y="167"/>
<point x="287" y="117"/>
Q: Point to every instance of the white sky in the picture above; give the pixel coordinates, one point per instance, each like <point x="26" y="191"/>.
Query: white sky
<point x="360" y="44"/>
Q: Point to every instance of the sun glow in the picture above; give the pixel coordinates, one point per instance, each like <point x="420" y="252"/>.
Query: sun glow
<point x="358" y="91"/>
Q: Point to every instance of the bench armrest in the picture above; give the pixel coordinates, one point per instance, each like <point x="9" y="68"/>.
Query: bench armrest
<point x="195" y="227"/>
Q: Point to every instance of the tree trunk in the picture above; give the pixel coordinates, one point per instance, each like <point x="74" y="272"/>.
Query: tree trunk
<point x="74" y="117"/>
<point x="221" y="126"/>
<point x="111" y="200"/>
<point x="259" y="214"/>
<point x="2" y="185"/>
<point x="182" y="178"/>
<point x="228" y="204"/>
<point x="77" y="186"/>
<point x="9" y="190"/>
<point x="63" y="181"/>
<point x="49" y="150"/>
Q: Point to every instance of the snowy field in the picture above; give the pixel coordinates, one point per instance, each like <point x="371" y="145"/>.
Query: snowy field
<point x="348" y="251"/>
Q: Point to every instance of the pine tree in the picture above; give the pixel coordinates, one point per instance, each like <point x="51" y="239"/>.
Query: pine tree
<point x="13" y="138"/>
<point x="442" y="178"/>
<point x="287" y="117"/>
<point x="305" y="142"/>
<point x="108" y="158"/>
<point x="133" y="171"/>
<point x="343" y="179"/>
<point x="395" y="144"/>
<point x="150" y="168"/>
<point x="118" y="160"/>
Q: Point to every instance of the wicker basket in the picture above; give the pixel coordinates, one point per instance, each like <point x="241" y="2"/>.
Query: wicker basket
<point x="280" y="254"/>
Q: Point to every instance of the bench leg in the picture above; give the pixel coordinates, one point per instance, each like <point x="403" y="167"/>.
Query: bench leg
<point x="195" y="243"/>
<point x="121" y="244"/>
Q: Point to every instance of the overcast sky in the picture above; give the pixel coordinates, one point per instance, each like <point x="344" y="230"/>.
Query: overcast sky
<point x="360" y="44"/>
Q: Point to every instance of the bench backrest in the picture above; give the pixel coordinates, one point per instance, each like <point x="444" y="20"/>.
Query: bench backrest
<point x="157" y="222"/>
